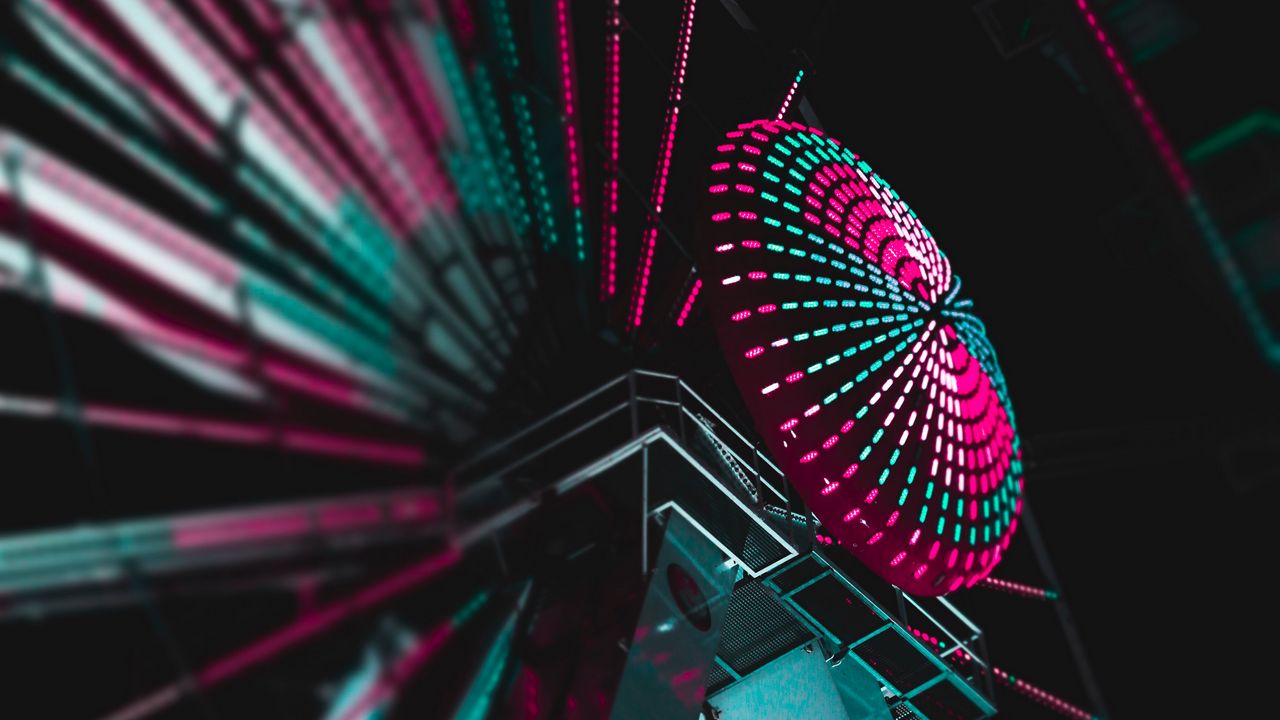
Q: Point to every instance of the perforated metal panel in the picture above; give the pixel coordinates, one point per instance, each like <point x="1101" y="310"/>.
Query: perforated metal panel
<point x="757" y="629"/>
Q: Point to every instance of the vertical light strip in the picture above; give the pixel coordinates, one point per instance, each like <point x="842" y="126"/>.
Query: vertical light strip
<point x="568" y="97"/>
<point x="665" y="147"/>
<point x="612" y="97"/>
<point x="1178" y="173"/>
<point x="786" y="104"/>
<point x="524" y="123"/>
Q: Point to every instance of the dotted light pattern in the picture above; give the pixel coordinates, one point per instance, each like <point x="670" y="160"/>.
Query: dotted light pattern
<point x="786" y="103"/>
<point x="688" y="303"/>
<point x="873" y="386"/>
<point x="1048" y="699"/>
<point x="1015" y="588"/>
<point x="567" y="91"/>
<point x="612" y="118"/>
<point x="1177" y="172"/>
<point x="937" y="644"/>
<point x="667" y="144"/>
<point x="1045" y="698"/>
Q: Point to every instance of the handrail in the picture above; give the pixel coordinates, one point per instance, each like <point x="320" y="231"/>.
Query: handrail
<point x="473" y="460"/>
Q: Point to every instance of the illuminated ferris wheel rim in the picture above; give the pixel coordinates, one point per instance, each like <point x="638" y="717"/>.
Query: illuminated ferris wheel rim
<point x="806" y="246"/>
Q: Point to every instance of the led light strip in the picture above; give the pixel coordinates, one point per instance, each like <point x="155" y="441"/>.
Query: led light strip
<point x="786" y="104"/>
<point x="612" y="125"/>
<point x="1019" y="589"/>
<point x="564" y="32"/>
<point x="67" y="13"/>
<point x="649" y="238"/>
<point x="149" y="245"/>
<point x="304" y="440"/>
<point x="688" y="303"/>
<point x="1177" y="172"/>
<point x="1045" y="698"/>
<point x="524" y="123"/>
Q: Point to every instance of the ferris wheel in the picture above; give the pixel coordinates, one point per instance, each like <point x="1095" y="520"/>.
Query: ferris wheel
<point x="302" y="287"/>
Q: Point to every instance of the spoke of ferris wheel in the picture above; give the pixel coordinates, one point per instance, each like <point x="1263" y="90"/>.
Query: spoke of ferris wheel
<point x="1020" y="589"/>
<point x="465" y="326"/>
<point x="90" y="560"/>
<point x="308" y="627"/>
<point x="1063" y="610"/>
<point x="666" y="147"/>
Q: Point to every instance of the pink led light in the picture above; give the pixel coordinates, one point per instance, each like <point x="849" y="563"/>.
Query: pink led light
<point x="1019" y="589"/>
<point x="463" y="20"/>
<point x="308" y="441"/>
<point x="754" y="352"/>
<point x="830" y="488"/>
<point x="347" y="517"/>
<point x="236" y="530"/>
<point x="362" y="65"/>
<point x="665" y="148"/>
<point x="612" y="123"/>
<point x="177" y="109"/>
<point x="1170" y="158"/>
<point x="145" y="223"/>
<point x="568" y="96"/>
<point x="336" y="445"/>
<point x="1049" y="700"/>
<point x="688" y="307"/>
<point x="236" y="40"/>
